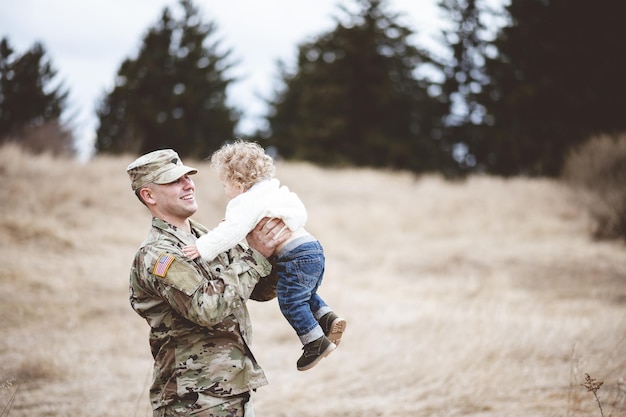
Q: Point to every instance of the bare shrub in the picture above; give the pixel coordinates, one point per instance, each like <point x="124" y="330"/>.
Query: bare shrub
<point x="597" y="170"/>
<point x="593" y="386"/>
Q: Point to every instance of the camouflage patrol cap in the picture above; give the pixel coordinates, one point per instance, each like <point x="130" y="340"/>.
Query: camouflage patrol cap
<point x="158" y="167"/>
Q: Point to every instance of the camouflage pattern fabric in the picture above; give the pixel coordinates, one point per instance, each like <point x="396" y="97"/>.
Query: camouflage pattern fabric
<point x="201" y="405"/>
<point x="160" y="167"/>
<point x="265" y="289"/>
<point x="200" y="329"/>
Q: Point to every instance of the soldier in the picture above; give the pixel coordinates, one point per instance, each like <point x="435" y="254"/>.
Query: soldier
<point x="200" y="328"/>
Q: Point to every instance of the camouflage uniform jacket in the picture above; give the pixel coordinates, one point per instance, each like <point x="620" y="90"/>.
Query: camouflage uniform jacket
<point x="200" y="327"/>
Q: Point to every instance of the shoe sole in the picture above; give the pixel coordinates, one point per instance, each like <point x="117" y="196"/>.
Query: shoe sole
<point x="325" y="353"/>
<point x="336" y="330"/>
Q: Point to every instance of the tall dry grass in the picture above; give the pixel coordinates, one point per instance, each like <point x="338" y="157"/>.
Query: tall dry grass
<point x="477" y="298"/>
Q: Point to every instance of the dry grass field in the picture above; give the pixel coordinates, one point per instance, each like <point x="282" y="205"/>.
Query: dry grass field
<point x="477" y="298"/>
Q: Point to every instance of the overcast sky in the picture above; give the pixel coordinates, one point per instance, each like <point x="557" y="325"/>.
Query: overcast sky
<point x="87" y="41"/>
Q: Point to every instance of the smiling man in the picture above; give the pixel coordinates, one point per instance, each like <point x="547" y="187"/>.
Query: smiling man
<point x="200" y="328"/>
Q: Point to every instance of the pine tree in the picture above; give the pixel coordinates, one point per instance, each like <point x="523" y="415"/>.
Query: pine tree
<point x="173" y="94"/>
<point x="467" y="40"/>
<point x="557" y="79"/>
<point x="31" y="100"/>
<point x="354" y="98"/>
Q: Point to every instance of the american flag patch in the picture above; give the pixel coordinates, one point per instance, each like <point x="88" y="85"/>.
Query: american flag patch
<point x="162" y="265"/>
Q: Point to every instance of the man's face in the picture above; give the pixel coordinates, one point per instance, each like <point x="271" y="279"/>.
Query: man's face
<point x="175" y="200"/>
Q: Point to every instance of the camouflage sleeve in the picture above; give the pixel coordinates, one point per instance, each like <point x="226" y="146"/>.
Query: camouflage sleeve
<point x="204" y="297"/>
<point x="250" y="268"/>
<point x="265" y="288"/>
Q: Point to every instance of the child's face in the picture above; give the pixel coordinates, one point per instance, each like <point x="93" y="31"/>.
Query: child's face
<point x="231" y="190"/>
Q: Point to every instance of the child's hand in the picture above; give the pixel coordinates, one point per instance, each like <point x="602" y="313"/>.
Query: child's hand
<point x="191" y="251"/>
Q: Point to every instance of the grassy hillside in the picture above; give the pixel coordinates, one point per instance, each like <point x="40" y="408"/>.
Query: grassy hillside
<point x="479" y="298"/>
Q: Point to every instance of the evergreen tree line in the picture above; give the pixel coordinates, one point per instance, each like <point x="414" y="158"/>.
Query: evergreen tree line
<point x="31" y="101"/>
<point x="507" y="100"/>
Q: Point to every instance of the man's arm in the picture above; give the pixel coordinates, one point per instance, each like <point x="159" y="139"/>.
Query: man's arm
<point x="204" y="298"/>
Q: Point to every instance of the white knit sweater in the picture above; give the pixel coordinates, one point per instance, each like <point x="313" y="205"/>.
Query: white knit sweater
<point x="264" y="199"/>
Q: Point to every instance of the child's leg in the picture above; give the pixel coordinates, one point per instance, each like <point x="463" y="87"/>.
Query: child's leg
<point x="332" y="325"/>
<point x="299" y="274"/>
<point x="292" y="300"/>
<point x="318" y="306"/>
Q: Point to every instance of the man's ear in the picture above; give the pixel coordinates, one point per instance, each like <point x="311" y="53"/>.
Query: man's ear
<point x="146" y="195"/>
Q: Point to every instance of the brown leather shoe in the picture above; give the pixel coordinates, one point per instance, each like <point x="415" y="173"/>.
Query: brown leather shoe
<point x="314" y="352"/>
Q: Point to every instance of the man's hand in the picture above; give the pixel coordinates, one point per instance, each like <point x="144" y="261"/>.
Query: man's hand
<point x="267" y="236"/>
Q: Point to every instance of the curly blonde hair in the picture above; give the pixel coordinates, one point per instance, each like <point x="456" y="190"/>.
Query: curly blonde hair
<point x="242" y="163"/>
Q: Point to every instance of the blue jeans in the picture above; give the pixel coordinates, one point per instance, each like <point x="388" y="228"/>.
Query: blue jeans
<point x="300" y="269"/>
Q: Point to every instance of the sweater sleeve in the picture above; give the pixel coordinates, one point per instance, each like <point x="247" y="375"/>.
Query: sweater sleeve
<point x="238" y="222"/>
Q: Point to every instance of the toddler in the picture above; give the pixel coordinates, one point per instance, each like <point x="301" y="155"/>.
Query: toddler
<point x="247" y="175"/>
